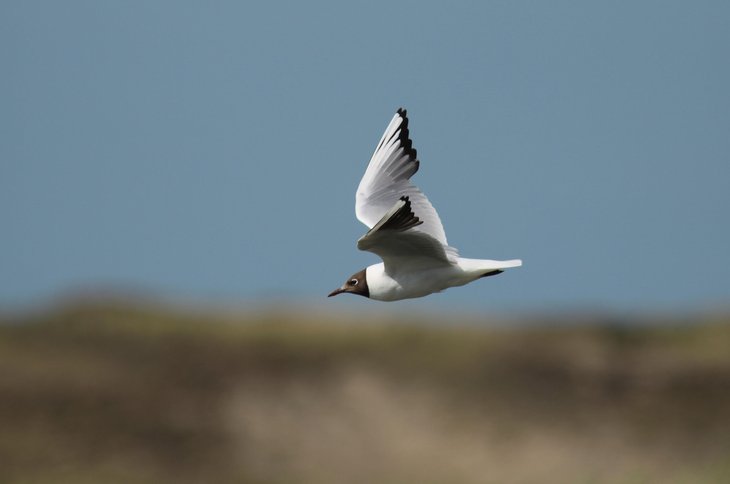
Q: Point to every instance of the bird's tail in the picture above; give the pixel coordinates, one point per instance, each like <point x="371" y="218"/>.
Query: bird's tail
<point x="486" y="267"/>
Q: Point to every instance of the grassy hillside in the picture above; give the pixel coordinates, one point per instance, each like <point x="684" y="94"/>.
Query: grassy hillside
<point x="132" y="394"/>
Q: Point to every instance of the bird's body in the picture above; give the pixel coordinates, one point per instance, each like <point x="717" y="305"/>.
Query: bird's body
<point x="418" y="283"/>
<point x="405" y="230"/>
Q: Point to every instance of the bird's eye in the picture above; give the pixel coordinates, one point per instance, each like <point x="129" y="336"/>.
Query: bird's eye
<point x="353" y="282"/>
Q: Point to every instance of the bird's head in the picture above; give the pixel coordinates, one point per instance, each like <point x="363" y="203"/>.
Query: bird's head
<point x="355" y="284"/>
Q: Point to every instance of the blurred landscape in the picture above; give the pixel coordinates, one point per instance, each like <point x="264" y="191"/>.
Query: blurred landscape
<point x="134" y="392"/>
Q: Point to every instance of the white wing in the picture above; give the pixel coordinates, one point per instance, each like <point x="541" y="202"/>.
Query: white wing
<point x="402" y="247"/>
<point x="387" y="179"/>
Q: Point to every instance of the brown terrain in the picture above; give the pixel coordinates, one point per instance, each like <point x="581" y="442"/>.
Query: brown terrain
<point x="137" y="393"/>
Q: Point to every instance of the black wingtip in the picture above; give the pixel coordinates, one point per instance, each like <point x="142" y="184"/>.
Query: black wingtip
<point x="403" y="134"/>
<point x="403" y="218"/>
<point x="405" y="139"/>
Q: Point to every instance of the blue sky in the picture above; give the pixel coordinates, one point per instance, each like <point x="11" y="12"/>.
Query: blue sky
<point x="211" y="150"/>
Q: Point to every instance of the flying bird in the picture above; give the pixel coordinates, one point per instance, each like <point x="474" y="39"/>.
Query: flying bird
<point x="405" y="230"/>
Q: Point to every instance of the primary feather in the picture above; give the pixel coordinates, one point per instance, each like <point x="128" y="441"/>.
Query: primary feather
<point x="387" y="179"/>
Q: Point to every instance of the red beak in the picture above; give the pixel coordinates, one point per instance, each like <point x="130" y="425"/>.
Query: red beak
<point x="337" y="291"/>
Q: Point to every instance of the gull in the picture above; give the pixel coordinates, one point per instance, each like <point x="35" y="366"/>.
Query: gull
<point x="405" y="230"/>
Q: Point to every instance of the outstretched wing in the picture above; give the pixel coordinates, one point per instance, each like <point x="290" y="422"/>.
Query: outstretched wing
<point x="387" y="179"/>
<point x="397" y="240"/>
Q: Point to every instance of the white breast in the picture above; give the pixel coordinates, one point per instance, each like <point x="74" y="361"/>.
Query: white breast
<point x="387" y="287"/>
<point x="382" y="287"/>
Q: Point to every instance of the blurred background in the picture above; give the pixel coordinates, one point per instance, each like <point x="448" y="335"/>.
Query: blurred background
<point x="177" y="198"/>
